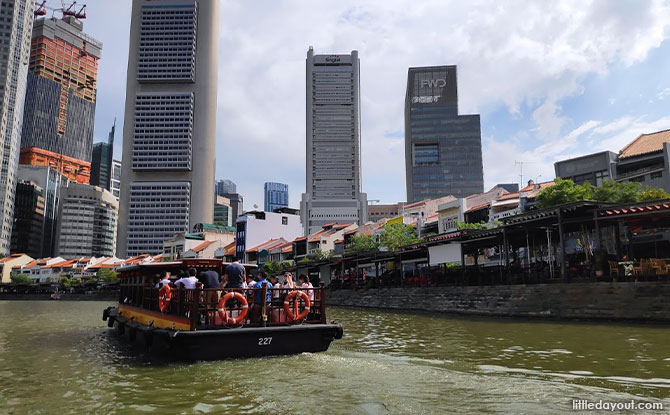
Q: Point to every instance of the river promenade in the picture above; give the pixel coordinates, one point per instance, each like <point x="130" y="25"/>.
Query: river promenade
<point x="647" y="301"/>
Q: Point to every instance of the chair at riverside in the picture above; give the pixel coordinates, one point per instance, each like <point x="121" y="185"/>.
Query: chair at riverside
<point x="659" y="266"/>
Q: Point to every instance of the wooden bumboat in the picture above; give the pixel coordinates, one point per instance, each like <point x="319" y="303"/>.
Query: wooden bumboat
<point x="191" y="328"/>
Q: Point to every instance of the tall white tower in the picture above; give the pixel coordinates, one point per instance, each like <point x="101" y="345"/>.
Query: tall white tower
<point x="170" y="122"/>
<point x="15" y="36"/>
<point x="333" y="171"/>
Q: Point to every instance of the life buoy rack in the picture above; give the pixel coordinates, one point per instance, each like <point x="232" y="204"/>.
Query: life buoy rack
<point x="164" y="297"/>
<point x="223" y="313"/>
<point x="287" y="305"/>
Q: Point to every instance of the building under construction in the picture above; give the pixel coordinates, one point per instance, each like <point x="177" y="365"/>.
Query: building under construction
<point x="61" y="93"/>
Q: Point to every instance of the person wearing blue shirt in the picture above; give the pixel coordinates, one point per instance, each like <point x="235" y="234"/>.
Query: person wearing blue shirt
<point x="259" y="285"/>
<point x="257" y="309"/>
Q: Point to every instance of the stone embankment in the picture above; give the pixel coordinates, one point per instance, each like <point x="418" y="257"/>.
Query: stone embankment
<point x="625" y="301"/>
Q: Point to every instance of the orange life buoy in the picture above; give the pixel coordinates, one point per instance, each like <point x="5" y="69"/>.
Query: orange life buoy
<point x="221" y="308"/>
<point x="164" y="297"/>
<point x="287" y="305"/>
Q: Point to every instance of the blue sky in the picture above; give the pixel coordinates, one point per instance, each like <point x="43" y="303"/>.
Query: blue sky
<point x="551" y="80"/>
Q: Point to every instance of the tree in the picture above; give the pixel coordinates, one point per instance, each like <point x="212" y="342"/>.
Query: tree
<point x="563" y="191"/>
<point x="21" y="279"/>
<point x="286" y="265"/>
<point x="566" y="191"/>
<point x="396" y="235"/>
<point x="271" y="267"/>
<point x="320" y="255"/>
<point x="362" y="243"/>
<point x="479" y="225"/>
<point x="617" y="192"/>
<point x="107" y="275"/>
<point x="653" y="193"/>
<point x="66" y="281"/>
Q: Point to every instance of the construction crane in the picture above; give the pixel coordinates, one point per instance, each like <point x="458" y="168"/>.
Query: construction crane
<point x="41" y="10"/>
<point x="71" y="10"/>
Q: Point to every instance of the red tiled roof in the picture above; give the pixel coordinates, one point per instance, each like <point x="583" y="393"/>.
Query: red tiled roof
<point x="411" y="205"/>
<point x="350" y="232"/>
<point x="443" y="237"/>
<point x="636" y="209"/>
<point x="12" y="256"/>
<point x="514" y="195"/>
<point x="287" y="249"/>
<point x="230" y="250"/>
<point x="202" y="246"/>
<point x="315" y="238"/>
<point x="339" y="241"/>
<point x="301" y="238"/>
<point x="265" y="245"/>
<point x="482" y="206"/>
<point x="62" y="264"/>
<point x="645" y="143"/>
<point x="329" y="224"/>
<point x="531" y="187"/>
<point x="343" y="225"/>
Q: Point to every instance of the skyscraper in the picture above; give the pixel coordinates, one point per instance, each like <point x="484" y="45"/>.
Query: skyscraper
<point x="225" y="186"/>
<point x="170" y="122"/>
<point x="443" y="150"/>
<point x="87" y="222"/>
<point x="115" y="182"/>
<point x="15" y="37"/>
<point x="276" y="196"/>
<point x="28" y="219"/>
<point x="62" y="86"/>
<point x="333" y="171"/>
<point x="101" y="162"/>
<point x="52" y="183"/>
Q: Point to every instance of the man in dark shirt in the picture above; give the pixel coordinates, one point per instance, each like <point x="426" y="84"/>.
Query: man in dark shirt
<point x="210" y="279"/>
<point x="235" y="274"/>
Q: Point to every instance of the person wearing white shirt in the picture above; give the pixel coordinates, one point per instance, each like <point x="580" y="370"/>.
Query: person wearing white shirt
<point x="188" y="282"/>
<point x="164" y="281"/>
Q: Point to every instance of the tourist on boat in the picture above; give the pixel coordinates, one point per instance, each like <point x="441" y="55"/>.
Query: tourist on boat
<point x="289" y="284"/>
<point x="304" y="283"/>
<point x="210" y="279"/>
<point x="234" y="274"/>
<point x="164" y="281"/>
<point x="251" y="283"/>
<point x="188" y="282"/>
<point x="262" y="278"/>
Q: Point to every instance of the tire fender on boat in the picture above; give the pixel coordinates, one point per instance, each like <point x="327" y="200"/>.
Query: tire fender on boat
<point x="287" y="305"/>
<point x="223" y="313"/>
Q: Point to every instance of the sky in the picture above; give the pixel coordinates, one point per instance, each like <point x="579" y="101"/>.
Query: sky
<point x="551" y="80"/>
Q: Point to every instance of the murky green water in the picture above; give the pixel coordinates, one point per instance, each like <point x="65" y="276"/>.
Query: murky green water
<point x="58" y="357"/>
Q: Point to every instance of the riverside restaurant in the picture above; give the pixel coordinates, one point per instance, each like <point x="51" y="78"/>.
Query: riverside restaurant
<point x="580" y="241"/>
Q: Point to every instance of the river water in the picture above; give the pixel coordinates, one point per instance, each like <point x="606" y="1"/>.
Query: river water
<point x="59" y="357"/>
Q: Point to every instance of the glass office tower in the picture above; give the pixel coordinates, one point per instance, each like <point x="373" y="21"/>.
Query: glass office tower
<point x="276" y="196"/>
<point x="443" y="150"/>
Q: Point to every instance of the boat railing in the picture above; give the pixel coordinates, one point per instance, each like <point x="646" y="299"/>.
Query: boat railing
<point x="201" y="306"/>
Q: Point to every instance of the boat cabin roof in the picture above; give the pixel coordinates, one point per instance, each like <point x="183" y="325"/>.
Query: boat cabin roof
<point x="154" y="267"/>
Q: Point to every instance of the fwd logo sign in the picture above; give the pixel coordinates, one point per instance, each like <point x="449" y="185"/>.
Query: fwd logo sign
<point x="432" y="83"/>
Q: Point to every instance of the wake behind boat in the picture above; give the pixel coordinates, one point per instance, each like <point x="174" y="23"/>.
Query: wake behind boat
<point x="212" y="324"/>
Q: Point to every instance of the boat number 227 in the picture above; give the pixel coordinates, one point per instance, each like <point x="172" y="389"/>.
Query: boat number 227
<point x="264" y="341"/>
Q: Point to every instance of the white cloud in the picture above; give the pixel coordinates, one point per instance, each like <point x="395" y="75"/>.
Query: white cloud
<point x="525" y="56"/>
